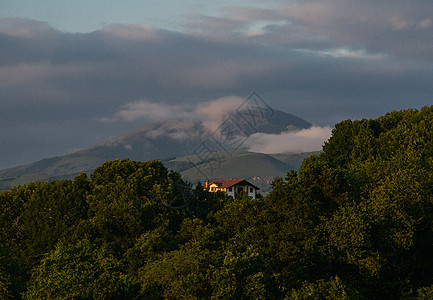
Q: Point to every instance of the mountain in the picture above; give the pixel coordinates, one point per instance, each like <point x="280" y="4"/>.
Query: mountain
<point x="170" y="141"/>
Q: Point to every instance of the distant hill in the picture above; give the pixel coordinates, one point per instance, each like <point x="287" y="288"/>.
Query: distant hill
<point x="258" y="168"/>
<point x="168" y="141"/>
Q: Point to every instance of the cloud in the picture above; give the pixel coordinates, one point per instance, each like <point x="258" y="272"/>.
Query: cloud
<point x="213" y="110"/>
<point x="210" y="113"/>
<point x="305" y="140"/>
<point x="216" y="111"/>
<point x="425" y="23"/>
<point x="219" y="108"/>
<point x="375" y="27"/>
<point x="133" y="32"/>
<point x="180" y="130"/>
<point x="390" y="27"/>
<point x="323" y="61"/>
<point x="148" y="111"/>
<point x="203" y="24"/>
<point x="12" y="76"/>
<point x="351" y="54"/>
<point x="24" y="28"/>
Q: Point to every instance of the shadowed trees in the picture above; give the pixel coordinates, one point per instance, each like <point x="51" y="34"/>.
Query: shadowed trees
<point x="356" y="222"/>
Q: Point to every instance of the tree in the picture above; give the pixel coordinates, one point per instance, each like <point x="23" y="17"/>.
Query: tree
<point x="79" y="271"/>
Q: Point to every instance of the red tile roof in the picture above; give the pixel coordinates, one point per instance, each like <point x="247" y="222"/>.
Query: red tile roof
<point x="226" y="183"/>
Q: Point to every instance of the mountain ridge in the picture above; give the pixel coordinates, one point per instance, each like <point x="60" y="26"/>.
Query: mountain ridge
<point x="165" y="141"/>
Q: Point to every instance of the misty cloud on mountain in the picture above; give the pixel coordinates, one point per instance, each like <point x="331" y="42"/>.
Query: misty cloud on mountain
<point x="216" y="111"/>
<point x="293" y="141"/>
<point x="279" y="133"/>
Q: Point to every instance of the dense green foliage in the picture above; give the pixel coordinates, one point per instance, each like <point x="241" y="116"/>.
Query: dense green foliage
<point x="355" y="223"/>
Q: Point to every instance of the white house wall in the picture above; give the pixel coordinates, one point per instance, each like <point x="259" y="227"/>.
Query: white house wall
<point x="245" y="188"/>
<point x="253" y="193"/>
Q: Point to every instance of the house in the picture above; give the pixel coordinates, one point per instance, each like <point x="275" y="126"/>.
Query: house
<point x="232" y="186"/>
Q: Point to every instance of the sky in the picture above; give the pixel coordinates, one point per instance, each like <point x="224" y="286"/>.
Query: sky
<point x="74" y="73"/>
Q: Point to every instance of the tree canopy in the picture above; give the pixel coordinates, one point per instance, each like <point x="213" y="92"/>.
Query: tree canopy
<point x="356" y="222"/>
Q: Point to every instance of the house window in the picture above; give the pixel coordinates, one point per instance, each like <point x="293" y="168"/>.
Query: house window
<point x="251" y="189"/>
<point x="230" y="189"/>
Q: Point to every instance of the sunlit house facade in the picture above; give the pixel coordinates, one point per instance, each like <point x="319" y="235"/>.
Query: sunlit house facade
<point x="232" y="187"/>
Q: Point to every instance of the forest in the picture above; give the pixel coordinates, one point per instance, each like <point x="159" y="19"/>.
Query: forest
<point x="356" y="222"/>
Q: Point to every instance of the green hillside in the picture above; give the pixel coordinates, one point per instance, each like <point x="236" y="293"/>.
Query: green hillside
<point x="257" y="167"/>
<point x="64" y="167"/>
<point x="243" y="166"/>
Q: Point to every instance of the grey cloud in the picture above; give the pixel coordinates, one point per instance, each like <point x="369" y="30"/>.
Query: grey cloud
<point x="250" y="14"/>
<point x="63" y="84"/>
<point x="219" y="25"/>
<point x="148" y="111"/>
<point x="399" y="28"/>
